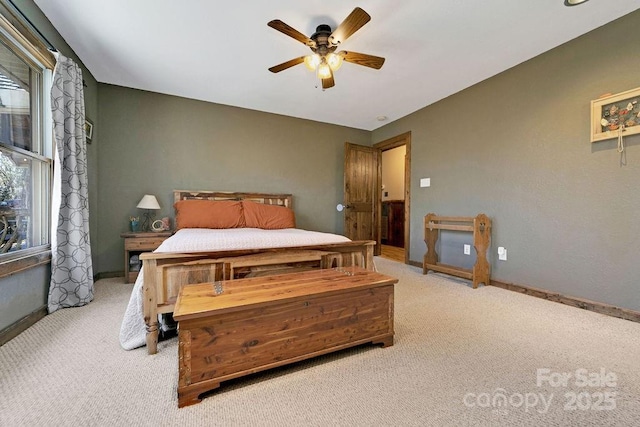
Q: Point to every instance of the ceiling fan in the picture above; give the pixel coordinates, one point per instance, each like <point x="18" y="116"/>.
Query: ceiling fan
<point x="324" y="60"/>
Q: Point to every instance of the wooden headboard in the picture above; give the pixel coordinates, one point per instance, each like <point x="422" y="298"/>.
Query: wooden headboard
<point x="267" y="199"/>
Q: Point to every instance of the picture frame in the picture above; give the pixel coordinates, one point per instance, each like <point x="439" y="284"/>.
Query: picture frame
<point x="88" y="128"/>
<point x="611" y="112"/>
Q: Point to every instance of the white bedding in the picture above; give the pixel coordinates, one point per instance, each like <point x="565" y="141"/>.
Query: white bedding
<point x="133" y="330"/>
<point x="201" y="239"/>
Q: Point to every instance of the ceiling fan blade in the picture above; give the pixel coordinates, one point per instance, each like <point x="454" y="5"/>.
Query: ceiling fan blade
<point x="277" y="24"/>
<point x="363" y="59"/>
<point x="350" y="25"/>
<point x="285" y="65"/>
<point x="328" y="82"/>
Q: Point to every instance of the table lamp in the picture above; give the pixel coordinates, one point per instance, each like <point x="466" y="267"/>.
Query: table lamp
<point x="150" y="203"/>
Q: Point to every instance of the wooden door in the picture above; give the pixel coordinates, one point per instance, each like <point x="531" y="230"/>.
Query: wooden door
<point x="361" y="183"/>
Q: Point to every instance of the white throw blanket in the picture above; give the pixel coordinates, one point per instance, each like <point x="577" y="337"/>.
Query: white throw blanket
<point x="133" y="329"/>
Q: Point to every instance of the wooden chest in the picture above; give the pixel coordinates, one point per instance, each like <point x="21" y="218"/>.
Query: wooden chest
<point x="233" y="328"/>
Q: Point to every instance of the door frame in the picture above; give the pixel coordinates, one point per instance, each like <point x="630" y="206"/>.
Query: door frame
<point x="388" y="144"/>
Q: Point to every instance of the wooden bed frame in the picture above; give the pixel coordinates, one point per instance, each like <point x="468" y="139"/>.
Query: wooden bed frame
<point x="165" y="273"/>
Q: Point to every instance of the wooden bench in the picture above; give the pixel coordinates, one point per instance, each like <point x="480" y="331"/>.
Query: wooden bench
<point x="229" y="329"/>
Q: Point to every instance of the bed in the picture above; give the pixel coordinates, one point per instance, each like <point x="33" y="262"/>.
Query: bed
<point x="226" y="236"/>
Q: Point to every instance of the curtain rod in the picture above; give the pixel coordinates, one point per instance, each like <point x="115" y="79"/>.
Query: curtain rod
<point x="27" y="23"/>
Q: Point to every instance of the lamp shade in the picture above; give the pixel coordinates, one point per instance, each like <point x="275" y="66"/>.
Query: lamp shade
<point x="324" y="71"/>
<point x="334" y="61"/>
<point x="148" y="202"/>
<point x="312" y="61"/>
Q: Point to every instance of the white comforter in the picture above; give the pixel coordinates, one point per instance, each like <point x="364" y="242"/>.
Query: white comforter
<point x="133" y="330"/>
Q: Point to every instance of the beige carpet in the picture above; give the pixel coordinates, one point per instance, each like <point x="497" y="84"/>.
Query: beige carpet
<point x="457" y="351"/>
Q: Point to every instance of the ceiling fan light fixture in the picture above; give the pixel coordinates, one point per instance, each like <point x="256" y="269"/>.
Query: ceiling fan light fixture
<point x="324" y="71"/>
<point x="574" y="2"/>
<point x="334" y="61"/>
<point x="312" y="61"/>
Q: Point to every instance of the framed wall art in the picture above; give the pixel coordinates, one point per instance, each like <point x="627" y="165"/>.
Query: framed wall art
<point x="88" y="128"/>
<point x="615" y="114"/>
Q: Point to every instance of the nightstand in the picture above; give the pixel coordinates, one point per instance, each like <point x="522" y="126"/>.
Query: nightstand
<point x="134" y="245"/>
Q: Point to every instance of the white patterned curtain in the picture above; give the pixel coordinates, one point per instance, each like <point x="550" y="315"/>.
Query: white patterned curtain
<point x="71" y="270"/>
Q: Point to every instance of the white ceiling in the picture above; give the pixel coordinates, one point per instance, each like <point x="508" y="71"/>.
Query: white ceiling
<point x="220" y="51"/>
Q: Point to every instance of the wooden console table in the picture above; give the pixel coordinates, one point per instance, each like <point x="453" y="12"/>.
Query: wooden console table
<point x="479" y="225"/>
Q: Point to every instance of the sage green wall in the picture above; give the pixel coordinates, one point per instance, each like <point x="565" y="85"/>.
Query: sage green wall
<point x="152" y="144"/>
<point x="516" y="147"/>
<point x="23" y="293"/>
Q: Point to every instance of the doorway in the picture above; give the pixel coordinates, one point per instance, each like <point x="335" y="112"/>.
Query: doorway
<point x="395" y="197"/>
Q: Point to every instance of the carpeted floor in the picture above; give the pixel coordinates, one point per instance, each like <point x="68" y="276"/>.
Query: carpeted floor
<point x="461" y="357"/>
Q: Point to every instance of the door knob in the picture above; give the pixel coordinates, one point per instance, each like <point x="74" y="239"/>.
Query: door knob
<point x="342" y="207"/>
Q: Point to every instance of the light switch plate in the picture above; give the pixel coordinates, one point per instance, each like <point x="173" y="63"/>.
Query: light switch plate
<point x="425" y="182"/>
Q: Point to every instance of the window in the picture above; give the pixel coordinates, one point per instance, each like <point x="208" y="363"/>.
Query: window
<point x="25" y="149"/>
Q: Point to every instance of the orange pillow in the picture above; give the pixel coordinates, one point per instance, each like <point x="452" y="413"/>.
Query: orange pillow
<point x="269" y="217"/>
<point x="208" y="214"/>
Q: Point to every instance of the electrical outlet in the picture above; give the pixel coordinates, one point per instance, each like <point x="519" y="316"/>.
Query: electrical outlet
<point x="467" y="249"/>
<point x="502" y="253"/>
